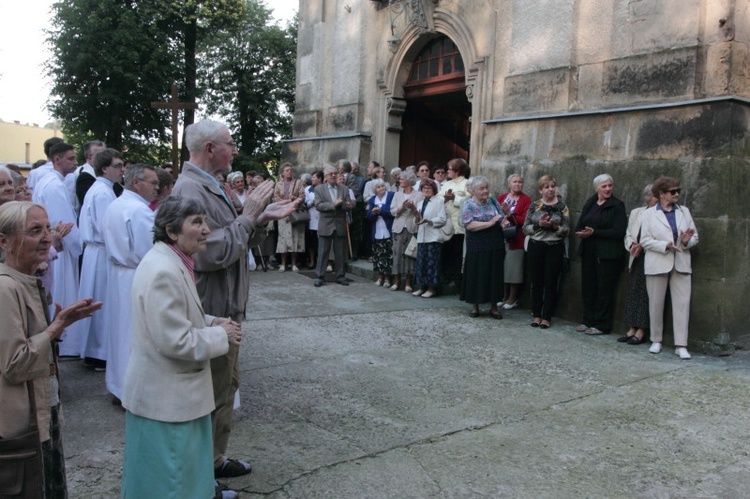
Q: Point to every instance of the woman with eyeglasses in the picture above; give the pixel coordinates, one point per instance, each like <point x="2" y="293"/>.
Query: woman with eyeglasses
<point x="601" y="227"/>
<point x="28" y="341"/>
<point x="667" y="234"/>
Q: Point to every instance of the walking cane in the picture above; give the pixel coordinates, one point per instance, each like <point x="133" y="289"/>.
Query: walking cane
<point x="349" y="239"/>
<point x="262" y="260"/>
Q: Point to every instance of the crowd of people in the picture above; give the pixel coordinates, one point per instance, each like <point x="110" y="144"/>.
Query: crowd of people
<point x="146" y="278"/>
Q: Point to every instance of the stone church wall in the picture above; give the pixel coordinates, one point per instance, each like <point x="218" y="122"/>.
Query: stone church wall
<point x="634" y="88"/>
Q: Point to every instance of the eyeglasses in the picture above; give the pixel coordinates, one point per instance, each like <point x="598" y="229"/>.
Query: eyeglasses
<point x="23" y="189"/>
<point x="152" y="182"/>
<point x="117" y="165"/>
<point x="232" y="144"/>
<point x="674" y="192"/>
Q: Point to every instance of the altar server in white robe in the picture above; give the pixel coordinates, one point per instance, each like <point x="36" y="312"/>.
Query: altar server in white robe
<point x="50" y="192"/>
<point x="107" y="165"/>
<point x="128" y="236"/>
<point x="37" y="173"/>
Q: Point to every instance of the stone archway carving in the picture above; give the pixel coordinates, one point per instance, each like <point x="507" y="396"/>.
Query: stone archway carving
<point x="396" y="73"/>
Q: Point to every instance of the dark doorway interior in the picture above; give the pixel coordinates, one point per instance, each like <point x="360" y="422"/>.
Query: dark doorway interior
<point x="437" y="122"/>
<point x="435" y="129"/>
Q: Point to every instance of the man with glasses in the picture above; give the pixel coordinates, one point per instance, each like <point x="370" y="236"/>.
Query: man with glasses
<point x="51" y="193"/>
<point x="221" y="273"/>
<point x="107" y="165"/>
<point x="128" y="236"/>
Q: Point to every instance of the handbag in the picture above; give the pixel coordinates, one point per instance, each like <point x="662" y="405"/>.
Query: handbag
<point x="411" y="248"/>
<point x="300" y="216"/>
<point x="510" y="232"/>
<point x="21" y="472"/>
<point x="446" y="231"/>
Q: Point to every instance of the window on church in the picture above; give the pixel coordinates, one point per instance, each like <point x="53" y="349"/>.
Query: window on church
<point x="439" y="59"/>
<point x="437" y="69"/>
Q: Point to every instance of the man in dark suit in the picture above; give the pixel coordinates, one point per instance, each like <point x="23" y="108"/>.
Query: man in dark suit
<point x="332" y="202"/>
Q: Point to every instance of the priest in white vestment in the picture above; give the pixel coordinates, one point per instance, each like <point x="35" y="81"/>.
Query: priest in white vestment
<point x="50" y="192"/>
<point x="128" y="236"/>
<point x="108" y="165"/>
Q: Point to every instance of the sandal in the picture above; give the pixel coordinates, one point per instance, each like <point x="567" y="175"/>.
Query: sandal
<point x="544" y="324"/>
<point x="474" y="313"/>
<point x="634" y="340"/>
<point x="535" y="322"/>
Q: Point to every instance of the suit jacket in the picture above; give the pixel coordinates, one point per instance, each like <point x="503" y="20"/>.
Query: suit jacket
<point x="332" y="218"/>
<point x="221" y="274"/>
<point x="169" y="372"/>
<point x="656" y="234"/>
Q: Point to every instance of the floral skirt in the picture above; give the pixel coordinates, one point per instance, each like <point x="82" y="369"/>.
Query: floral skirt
<point x="382" y="256"/>
<point x="427" y="269"/>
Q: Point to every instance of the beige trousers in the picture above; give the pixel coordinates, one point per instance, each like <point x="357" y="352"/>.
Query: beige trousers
<point x="679" y="289"/>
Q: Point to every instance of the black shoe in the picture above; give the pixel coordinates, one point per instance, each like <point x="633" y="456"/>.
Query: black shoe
<point x="318" y="283"/>
<point x="343" y="281"/>
<point x="231" y="468"/>
<point x="634" y="340"/>
<point x="624" y="338"/>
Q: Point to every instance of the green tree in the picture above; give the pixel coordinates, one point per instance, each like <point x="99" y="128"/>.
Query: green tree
<point x="111" y="59"/>
<point x="248" y="78"/>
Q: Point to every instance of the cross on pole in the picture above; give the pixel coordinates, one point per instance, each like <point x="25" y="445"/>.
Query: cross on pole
<point x="175" y="105"/>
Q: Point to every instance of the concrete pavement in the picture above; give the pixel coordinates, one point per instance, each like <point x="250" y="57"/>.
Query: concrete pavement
<point x="362" y="392"/>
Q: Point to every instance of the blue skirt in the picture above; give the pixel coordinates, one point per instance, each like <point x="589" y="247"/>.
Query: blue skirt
<point x="167" y="460"/>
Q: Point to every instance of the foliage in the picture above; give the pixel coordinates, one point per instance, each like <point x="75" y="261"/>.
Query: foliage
<point x="112" y="58"/>
<point x="248" y="74"/>
<point x="110" y="61"/>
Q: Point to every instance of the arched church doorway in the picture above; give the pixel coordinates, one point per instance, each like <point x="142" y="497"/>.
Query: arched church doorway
<point x="436" y="123"/>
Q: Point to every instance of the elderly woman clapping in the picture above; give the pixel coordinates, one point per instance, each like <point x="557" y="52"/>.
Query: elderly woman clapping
<point x="482" y="218"/>
<point x="667" y="234"/>
<point x="379" y="215"/>
<point x="28" y="356"/>
<point x="601" y="227"/>
<point x="515" y="204"/>
<point x="547" y="225"/>
<point x="404" y="227"/>
<point x="168" y="390"/>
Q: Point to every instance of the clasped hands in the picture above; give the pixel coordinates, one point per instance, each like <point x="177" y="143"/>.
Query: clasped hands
<point x="233" y="329"/>
<point x="684" y="239"/>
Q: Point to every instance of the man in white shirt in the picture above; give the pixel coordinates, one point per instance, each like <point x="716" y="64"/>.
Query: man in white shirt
<point x="87" y="180"/>
<point x="50" y="192"/>
<point x="108" y="165"/>
<point x="39" y="172"/>
<point x="128" y="236"/>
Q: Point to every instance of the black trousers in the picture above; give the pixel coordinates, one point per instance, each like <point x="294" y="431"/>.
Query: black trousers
<point x="545" y="263"/>
<point x="598" y="285"/>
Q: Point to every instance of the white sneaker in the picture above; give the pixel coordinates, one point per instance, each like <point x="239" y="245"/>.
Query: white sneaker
<point x="329" y="269"/>
<point x="418" y="292"/>
<point x="295" y="268"/>
<point x="500" y="304"/>
<point x="379" y="282"/>
<point x="656" y="348"/>
<point x="510" y="306"/>
<point x="428" y="294"/>
<point x="282" y="268"/>
<point x="682" y="352"/>
<point x="394" y="287"/>
<point x="386" y="283"/>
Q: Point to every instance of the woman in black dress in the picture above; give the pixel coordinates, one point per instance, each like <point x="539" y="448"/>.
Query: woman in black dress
<point x="482" y="216"/>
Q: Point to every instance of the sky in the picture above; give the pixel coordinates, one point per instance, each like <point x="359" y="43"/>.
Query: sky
<point x="24" y="90"/>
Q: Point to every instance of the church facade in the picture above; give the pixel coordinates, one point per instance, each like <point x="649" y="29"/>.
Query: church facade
<point x="570" y="88"/>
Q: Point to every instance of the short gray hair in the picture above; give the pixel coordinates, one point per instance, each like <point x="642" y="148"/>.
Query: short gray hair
<point x="475" y="182"/>
<point x="329" y="169"/>
<point x="171" y="214"/>
<point x="8" y="172"/>
<point x="409" y="176"/>
<point x="395" y="171"/>
<point x="512" y="176"/>
<point x="197" y="134"/>
<point x="136" y="172"/>
<point x="600" y="179"/>
<point x="234" y="176"/>
<point x="647" y="193"/>
<point x="377" y="182"/>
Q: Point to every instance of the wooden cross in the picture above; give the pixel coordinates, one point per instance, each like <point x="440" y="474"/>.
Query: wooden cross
<point x="175" y="105"/>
